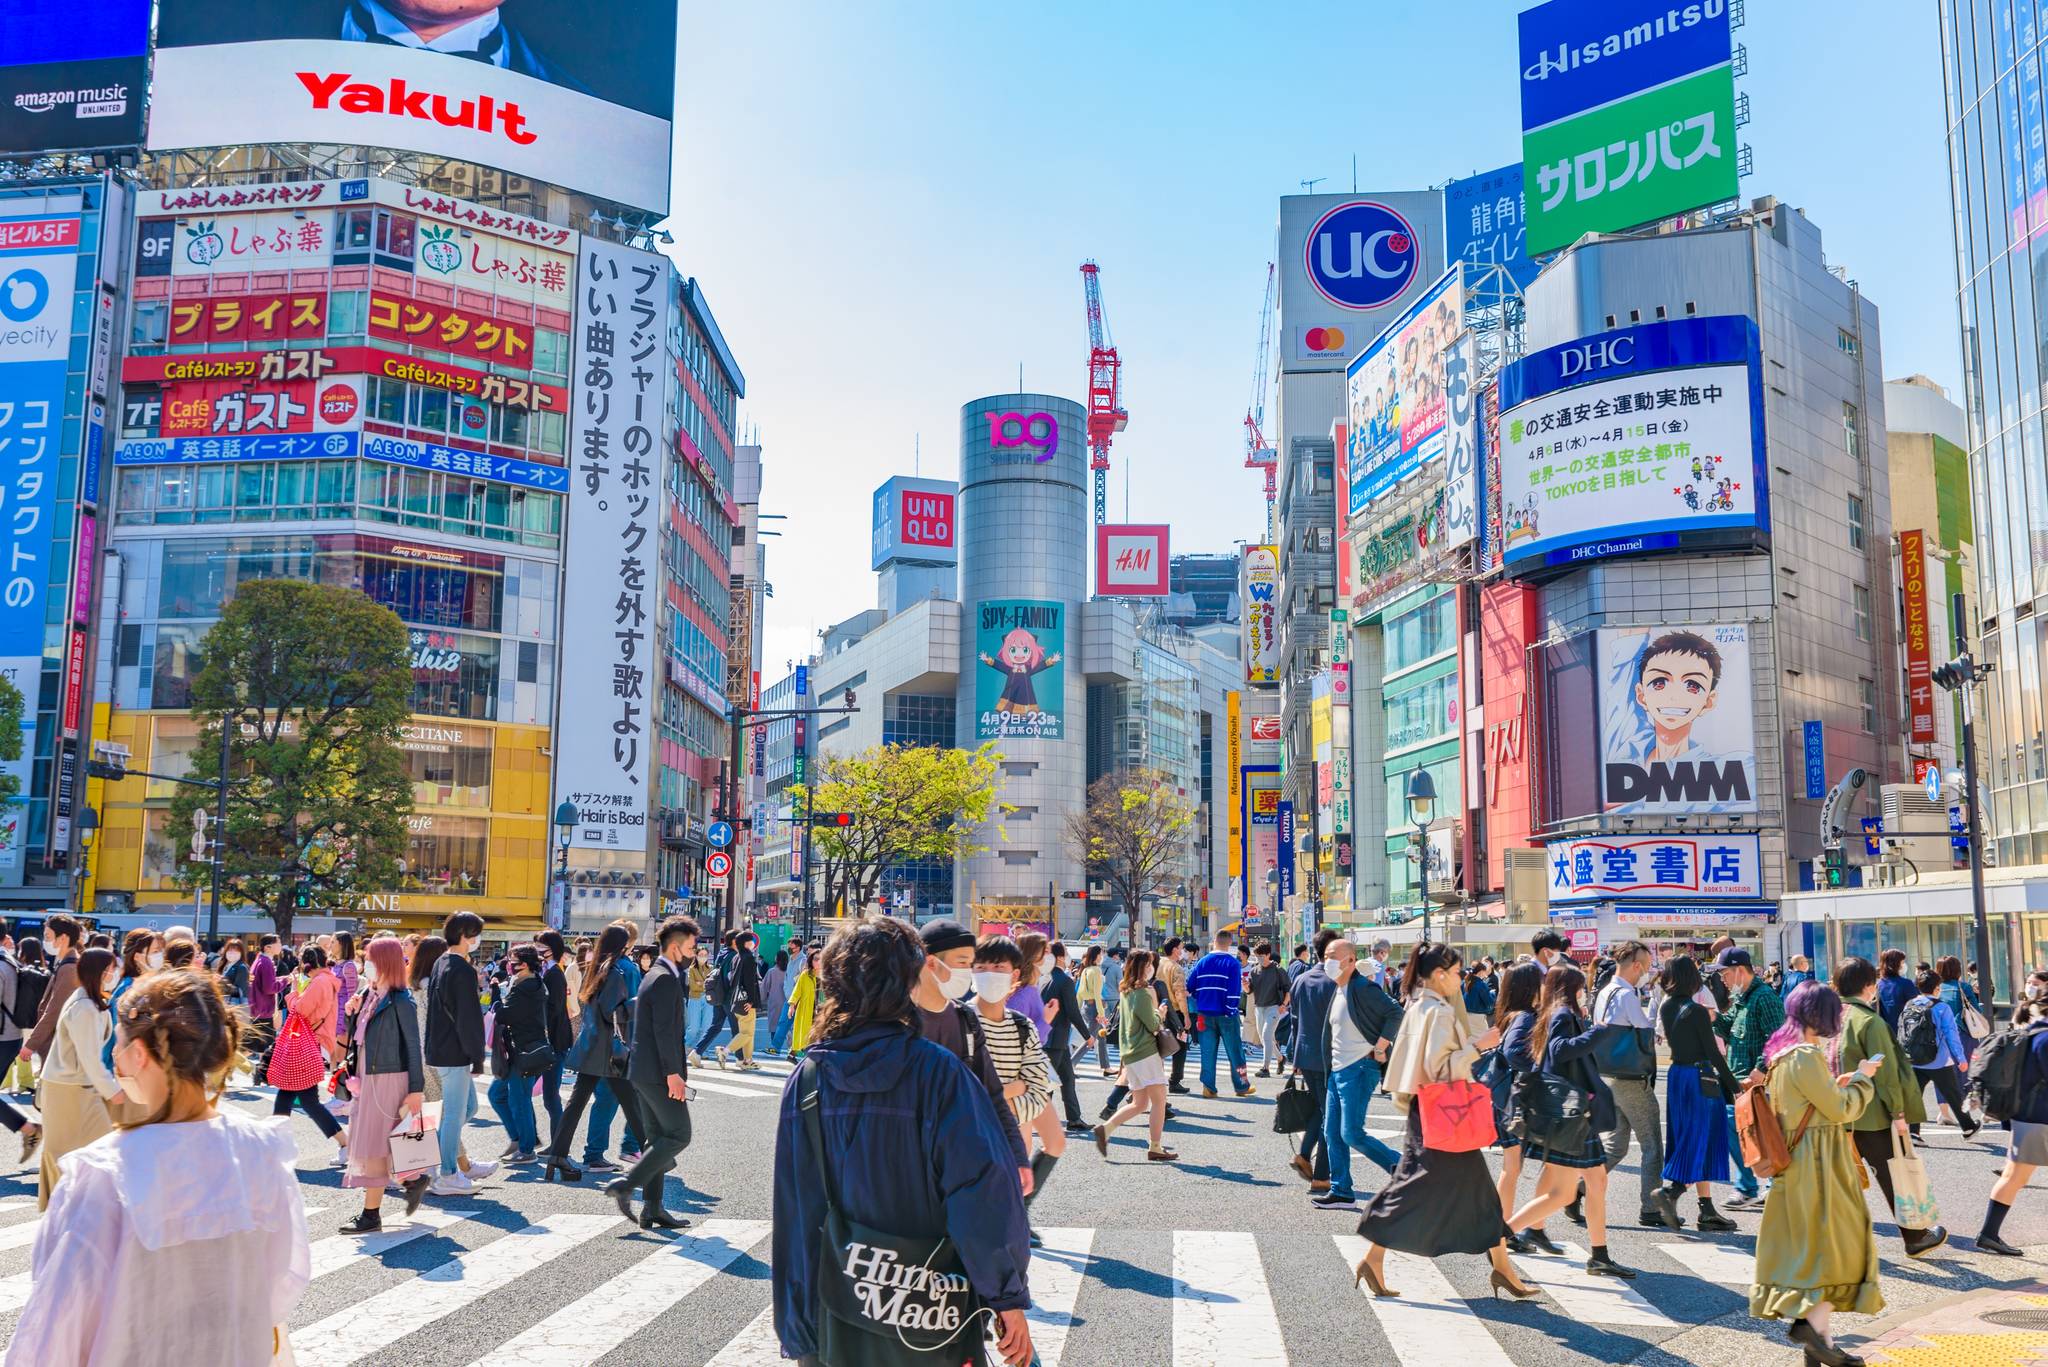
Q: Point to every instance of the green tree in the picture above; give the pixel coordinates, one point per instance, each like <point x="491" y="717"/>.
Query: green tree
<point x="10" y="736"/>
<point x="1134" y="831"/>
<point x="312" y="684"/>
<point x="908" y="802"/>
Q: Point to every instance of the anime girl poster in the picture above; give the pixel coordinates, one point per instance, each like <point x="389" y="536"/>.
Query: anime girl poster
<point x="1020" y="679"/>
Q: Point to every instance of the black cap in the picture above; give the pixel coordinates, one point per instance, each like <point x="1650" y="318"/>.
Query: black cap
<point x="1734" y="957"/>
<point x="942" y="935"/>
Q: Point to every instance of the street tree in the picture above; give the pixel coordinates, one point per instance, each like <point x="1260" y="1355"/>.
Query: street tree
<point x="906" y="802"/>
<point x="1133" y="832"/>
<point x="311" y="685"/>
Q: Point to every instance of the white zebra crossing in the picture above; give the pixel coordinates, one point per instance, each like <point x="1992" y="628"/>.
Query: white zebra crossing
<point x="1428" y="1321"/>
<point x="1222" y="1308"/>
<point x="756" y="1345"/>
<point x="1585" y="1297"/>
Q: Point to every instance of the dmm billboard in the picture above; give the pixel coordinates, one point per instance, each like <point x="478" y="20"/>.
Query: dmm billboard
<point x="1677" y="719"/>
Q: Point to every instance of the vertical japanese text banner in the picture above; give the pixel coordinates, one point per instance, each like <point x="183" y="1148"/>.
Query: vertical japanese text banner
<point x="605" y="741"/>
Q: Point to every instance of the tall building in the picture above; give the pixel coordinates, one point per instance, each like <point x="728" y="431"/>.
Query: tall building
<point x="1999" y="174"/>
<point x="1926" y="440"/>
<point x="1201" y="590"/>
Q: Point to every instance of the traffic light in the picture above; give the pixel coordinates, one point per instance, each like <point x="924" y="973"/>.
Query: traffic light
<point x="849" y="698"/>
<point x="840" y="819"/>
<point x="302" y="894"/>
<point x="1836" y="867"/>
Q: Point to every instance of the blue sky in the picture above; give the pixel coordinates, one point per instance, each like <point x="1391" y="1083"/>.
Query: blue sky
<point x="887" y="205"/>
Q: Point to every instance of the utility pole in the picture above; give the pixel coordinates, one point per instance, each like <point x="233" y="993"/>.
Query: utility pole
<point x="1961" y="676"/>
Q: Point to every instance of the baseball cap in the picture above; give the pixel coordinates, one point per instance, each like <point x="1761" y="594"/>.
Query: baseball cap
<point x="1734" y="957"/>
<point x="942" y="935"/>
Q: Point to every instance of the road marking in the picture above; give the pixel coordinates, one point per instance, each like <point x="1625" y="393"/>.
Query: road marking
<point x="1057" y="1271"/>
<point x="1429" y="1321"/>
<point x="339" y="1250"/>
<point x="726" y="1087"/>
<point x="1223" y="1312"/>
<point x="754" y="1346"/>
<point x="1587" y="1298"/>
<point x="1713" y="1262"/>
<point x="597" y="1322"/>
<point x="357" y="1331"/>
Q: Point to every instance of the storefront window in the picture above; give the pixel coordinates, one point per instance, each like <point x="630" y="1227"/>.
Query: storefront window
<point x="172" y="741"/>
<point x="160" y="849"/>
<point x="450" y="765"/>
<point x="1420" y="713"/>
<point x="446" y="855"/>
<point x="454" y="675"/>
<point x="1421" y="633"/>
<point x="177" y="664"/>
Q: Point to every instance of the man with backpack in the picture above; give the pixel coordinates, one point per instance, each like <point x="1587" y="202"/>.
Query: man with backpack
<point x="2010" y="1076"/>
<point x="21" y="993"/>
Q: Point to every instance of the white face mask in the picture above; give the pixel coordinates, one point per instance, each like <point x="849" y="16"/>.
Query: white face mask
<point x="992" y="987"/>
<point x="2035" y="991"/>
<point x="956" y="983"/>
<point x="234" y="956"/>
<point x="156" y="960"/>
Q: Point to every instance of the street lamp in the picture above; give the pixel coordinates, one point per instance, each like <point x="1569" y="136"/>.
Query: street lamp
<point x="1960" y="676"/>
<point x="1421" y="811"/>
<point x="565" y="833"/>
<point x="88" y="829"/>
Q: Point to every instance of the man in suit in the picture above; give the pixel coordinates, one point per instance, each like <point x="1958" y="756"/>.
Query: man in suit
<point x="472" y="29"/>
<point x="658" y="1069"/>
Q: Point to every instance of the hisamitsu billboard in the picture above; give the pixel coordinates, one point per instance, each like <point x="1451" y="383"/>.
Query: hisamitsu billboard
<point x="1579" y="54"/>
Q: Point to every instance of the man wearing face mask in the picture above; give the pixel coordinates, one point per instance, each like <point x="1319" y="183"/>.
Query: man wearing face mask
<point x="1549" y="948"/>
<point x="943" y="985"/>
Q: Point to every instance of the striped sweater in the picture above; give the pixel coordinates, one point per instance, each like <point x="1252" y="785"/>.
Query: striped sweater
<point x="1014" y="1051"/>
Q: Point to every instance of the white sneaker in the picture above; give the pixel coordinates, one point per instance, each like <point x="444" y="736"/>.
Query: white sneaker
<point x="454" y="1184"/>
<point x="721" y="1057"/>
<point x="340" y="1159"/>
<point x="695" y="1062"/>
<point x="479" y="1169"/>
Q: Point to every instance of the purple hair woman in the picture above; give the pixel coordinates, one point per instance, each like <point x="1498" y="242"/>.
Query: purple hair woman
<point x="1815" y="1250"/>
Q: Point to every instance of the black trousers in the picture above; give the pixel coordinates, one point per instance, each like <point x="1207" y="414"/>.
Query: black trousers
<point x="308" y="1097"/>
<point x="666" y="1135"/>
<point x="1180" y="1063"/>
<point x="1948" y="1085"/>
<point x="11" y="1118"/>
<point x="572" y="1114"/>
<point x="1062" y="1055"/>
<point x="1312" y="1140"/>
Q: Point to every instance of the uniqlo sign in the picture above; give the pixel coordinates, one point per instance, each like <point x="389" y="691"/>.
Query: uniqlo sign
<point x="926" y="519"/>
<point x="1130" y="561"/>
<point x="1919" y="648"/>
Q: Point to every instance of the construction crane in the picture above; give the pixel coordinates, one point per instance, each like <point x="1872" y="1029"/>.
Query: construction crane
<point x="1106" y="416"/>
<point x="1258" y="453"/>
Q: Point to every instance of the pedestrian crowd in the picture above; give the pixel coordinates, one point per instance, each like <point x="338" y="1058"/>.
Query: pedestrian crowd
<point x="933" y="1094"/>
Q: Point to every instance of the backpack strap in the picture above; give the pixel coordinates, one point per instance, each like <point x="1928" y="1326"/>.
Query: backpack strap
<point x="970" y="1037"/>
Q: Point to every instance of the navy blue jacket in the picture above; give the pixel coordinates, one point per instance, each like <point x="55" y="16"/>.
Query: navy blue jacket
<point x="1892" y="996"/>
<point x="915" y="1149"/>
<point x="2034" y="1081"/>
<point x="1568" y="1054"/>
<point x="1373" y="1012"/>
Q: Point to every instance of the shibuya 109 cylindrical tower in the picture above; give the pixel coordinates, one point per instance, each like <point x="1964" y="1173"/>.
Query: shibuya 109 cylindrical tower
<point x="1023" y="578"/>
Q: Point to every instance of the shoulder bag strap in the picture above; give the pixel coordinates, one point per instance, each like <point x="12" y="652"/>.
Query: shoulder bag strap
<point x="1800" y="1133"/>
<point x="807" y="1105"/>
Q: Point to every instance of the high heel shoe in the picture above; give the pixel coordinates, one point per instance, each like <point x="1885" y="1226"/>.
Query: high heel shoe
<point x="560" y="1170"/>
<point x="1499" y="1284"/>
<point x="1364" y="1273"/>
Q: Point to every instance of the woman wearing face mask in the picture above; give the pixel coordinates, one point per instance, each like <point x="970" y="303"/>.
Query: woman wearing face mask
<point x="142" y="953"/>
<point x="234" y="973"/>
<point x="78" y="1086"/>
<point x="2033" y="1005"/>
<point x="318" y="1004"/>
<point x="1017" y="1052"/>
<point x="1143" y="1069"/>
<point x="115" y="1223"/>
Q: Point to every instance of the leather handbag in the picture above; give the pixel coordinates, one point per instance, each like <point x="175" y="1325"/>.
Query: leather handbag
<point x="1457" y="1116"/>
<point x="296" y="1062"/>
<point x="1168" y="1043"/>
<point x="1294" y="1110"/>
<point x="535" y="1058"/>
<point x="1555" y="1113"/>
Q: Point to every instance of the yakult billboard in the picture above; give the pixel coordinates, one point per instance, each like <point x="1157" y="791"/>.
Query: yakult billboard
<point x="507" y="83"/>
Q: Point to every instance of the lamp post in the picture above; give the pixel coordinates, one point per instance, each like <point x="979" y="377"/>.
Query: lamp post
<point x="88" y="829"/>
<point x="1960" y="675"/>
<point x="1421" y="811"/>
<point x="565" y="834"/>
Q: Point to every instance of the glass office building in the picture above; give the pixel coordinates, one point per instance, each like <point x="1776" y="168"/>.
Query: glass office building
<point x="1993" y="71"/>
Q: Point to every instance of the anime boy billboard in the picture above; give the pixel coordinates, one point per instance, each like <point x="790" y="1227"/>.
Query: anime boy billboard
<point x="1020" y="679"/>
<point x="1677" y="728"/>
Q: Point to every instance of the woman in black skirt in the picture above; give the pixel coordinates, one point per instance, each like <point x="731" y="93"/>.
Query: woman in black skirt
<point x="1565" y="1042"/>
<point x="1437" y="1202"/>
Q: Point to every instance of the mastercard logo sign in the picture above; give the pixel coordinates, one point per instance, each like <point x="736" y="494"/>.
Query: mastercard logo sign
<point x="1323" y="340"/>
<point x="338" y="403"/>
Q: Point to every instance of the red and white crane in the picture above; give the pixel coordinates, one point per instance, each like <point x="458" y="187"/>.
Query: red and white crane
<point x="1258" y="453"/>
<point x="1106" y="415"/>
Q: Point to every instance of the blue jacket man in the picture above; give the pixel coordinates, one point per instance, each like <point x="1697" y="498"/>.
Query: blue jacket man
<point x="1216" y="991"/>
<point x="1343" y="1025"/>
<point x="916" y="1149"/>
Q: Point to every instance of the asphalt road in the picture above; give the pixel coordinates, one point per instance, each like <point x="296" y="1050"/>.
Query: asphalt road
<point x="1217" y="1261"/>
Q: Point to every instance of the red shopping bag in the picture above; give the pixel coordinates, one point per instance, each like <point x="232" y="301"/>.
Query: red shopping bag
<point x="296" y="1062"/>
<point x="1457" y="1117"/>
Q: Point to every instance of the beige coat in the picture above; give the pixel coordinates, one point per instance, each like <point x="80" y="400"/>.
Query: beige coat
<point x="1434" y="1045"/>
<point x="1176" y="979"/>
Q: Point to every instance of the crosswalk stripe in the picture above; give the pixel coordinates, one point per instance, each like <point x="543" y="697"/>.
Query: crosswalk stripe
<point x="1057" y="1271"/>
<point x="597" y="1322"/>
<point x="1712" y="1262"/>
<point x="20" y="1235"/>
<point x="1587" y="1298"/>
<point x="1429" y="1321"/>
<point x="727" y="1089"/>
<point x="754" y="1346"/>
<point x="337" y="1251"/>
<point x="359" y="1330"/>
<point x="1222" y="1308"/>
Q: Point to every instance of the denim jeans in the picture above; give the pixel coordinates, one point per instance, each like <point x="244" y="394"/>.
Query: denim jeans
<point x="695" y="1017"/>
<point x="512" y="1099"/>
<point x="778" y="1038"/>
<point x="458" y="1108"/>
<point x="598" y="1138"/>
<point x="1351" y="1091"/>
<point x="1745" y="1180"/>
<point x="1224" y="1028"/>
